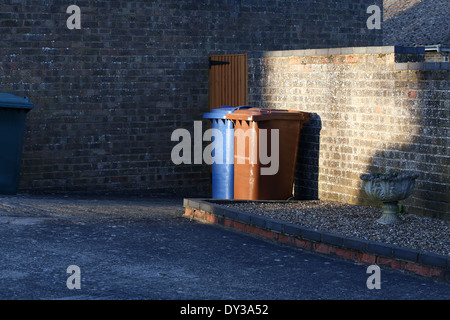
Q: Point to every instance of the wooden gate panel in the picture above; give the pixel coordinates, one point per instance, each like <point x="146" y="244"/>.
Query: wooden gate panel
<point x="228" y="80"/>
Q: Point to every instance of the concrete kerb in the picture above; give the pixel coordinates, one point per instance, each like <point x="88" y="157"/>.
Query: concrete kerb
<point x="366" y="251"/>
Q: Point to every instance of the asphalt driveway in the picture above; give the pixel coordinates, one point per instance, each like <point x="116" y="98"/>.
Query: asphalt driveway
<point x="144" y="249"/>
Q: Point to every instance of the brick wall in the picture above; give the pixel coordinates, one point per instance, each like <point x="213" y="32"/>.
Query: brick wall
<point x="373" y="112"/>
<point x="435" y="57"/>
<point x="109" y="95"/>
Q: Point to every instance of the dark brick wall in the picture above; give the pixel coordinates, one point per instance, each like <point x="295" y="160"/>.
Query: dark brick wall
<point x="108" y="96"/>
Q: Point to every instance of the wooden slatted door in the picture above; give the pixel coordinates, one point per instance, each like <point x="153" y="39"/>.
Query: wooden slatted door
<point x="228" y="80"/>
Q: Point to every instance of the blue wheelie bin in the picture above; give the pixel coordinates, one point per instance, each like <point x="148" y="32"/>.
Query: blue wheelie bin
<point x="223" y="171"/>
<point x="13" y="111"/>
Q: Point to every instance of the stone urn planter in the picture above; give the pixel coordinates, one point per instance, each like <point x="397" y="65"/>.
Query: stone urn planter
<point x="389" y="189"/>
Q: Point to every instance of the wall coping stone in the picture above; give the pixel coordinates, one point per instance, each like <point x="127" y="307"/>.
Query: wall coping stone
<point x="338" y="51"/>
<point x="399" y="66"/>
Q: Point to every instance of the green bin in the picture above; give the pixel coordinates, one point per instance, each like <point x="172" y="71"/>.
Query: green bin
<point x="13" y="112"/>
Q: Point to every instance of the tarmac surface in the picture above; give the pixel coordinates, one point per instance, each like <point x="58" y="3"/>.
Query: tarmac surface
<point x="143" y="249"/>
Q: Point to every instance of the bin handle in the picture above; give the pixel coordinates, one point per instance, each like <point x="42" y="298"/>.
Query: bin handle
<point x="242" y="107"/>
<point x="220" y="107"/>
<point x="235" y="108"/>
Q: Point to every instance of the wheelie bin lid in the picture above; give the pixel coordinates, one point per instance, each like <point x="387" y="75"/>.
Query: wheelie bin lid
<point x="221" y="112"/>
<point x="259" y="114"/>
<point x="11" y="101"/>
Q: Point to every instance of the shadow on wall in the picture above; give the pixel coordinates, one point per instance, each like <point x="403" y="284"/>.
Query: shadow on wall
<point x="306" y="181"/>
<point x="426" y="151"/>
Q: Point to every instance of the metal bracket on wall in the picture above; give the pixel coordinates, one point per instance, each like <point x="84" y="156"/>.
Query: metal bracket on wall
<point x="217" y="63"/>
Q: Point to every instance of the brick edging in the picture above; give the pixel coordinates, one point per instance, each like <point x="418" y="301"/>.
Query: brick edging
<point x="366" y="251"/>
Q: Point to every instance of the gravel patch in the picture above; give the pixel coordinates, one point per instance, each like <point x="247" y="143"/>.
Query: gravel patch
<point x="415" y="232"/>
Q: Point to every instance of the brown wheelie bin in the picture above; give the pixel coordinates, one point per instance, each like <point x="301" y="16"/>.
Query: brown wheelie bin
<point x="265" y="154"/>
